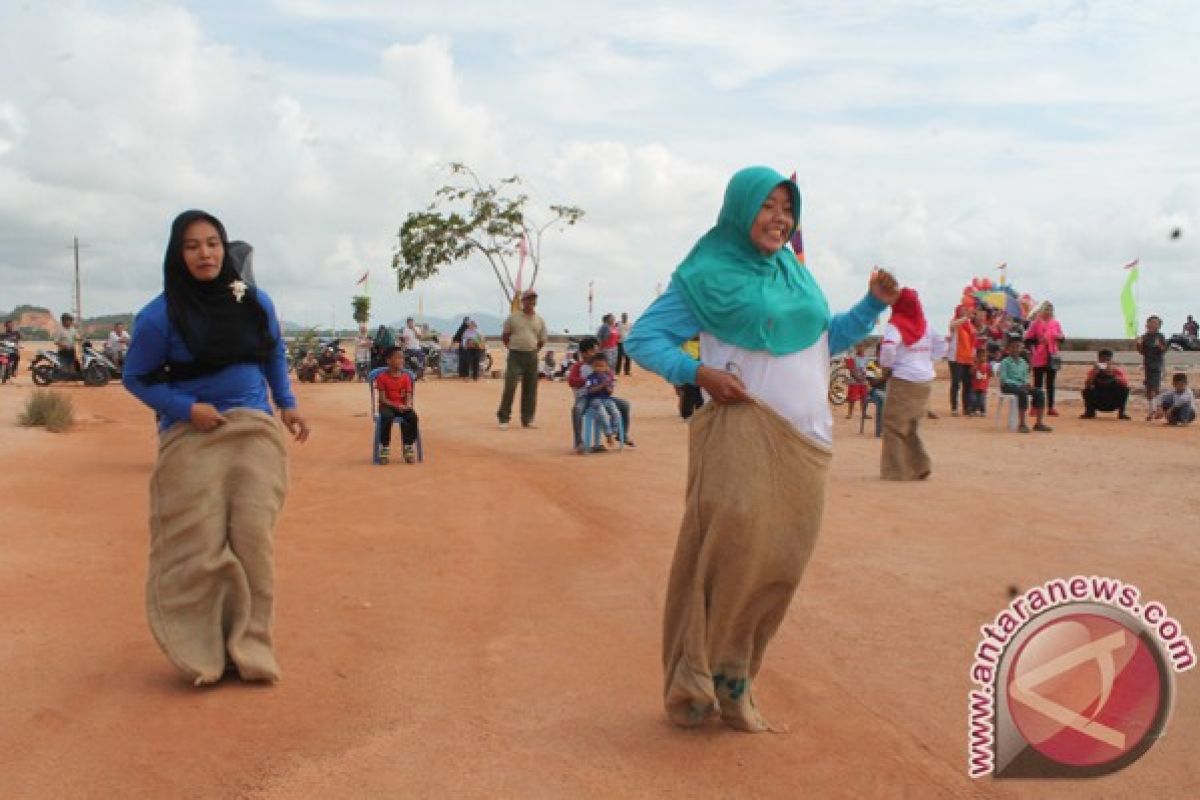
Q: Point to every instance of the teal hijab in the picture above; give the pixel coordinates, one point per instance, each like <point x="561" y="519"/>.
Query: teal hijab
<point x="741" y="296"/>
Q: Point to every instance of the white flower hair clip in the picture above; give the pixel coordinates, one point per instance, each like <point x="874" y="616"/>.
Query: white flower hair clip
<point x="239" y="290"/>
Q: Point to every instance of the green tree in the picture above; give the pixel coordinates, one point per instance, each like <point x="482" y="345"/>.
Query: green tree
<point x="469" y="218"/>
<point x="362" y="308"/>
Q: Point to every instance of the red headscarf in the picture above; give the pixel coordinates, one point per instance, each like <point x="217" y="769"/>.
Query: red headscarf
<point x="908" y="316"/>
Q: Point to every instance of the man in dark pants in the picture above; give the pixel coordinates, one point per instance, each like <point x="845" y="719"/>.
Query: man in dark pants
<point x="457" y="344"/>
<point x="623" y="360"/>
<point x="963" y="337"/>
<point x="1106" y="388"/>
<point x="524" y="335"/>
<point x="13" y="337"/>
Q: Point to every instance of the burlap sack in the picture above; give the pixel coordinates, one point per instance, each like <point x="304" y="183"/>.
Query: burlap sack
<point x="214" y="498"/>
<point x="755" y="493"/>
<point x="903" y="457"/>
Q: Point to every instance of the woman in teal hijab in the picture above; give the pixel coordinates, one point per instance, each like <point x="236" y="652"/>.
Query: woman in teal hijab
<point x="759" y="455"/>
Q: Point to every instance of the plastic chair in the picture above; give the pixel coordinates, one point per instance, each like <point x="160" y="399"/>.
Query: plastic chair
<point x="592" y="433"/>
<point x="377" y="430"/>
<point x="1014" y="411"/>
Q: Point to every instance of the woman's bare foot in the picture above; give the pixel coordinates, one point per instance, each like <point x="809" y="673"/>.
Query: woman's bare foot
<point x="687" y="715"/>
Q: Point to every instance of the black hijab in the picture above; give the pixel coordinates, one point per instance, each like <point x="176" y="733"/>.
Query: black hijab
<point x="217" y="329"/>
<point x="458" y="334"/>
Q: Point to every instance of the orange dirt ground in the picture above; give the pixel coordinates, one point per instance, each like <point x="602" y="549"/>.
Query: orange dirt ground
<point x="487" y="624"/>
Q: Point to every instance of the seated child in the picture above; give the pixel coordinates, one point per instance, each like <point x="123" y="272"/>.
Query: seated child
<point x="394" y="389"/>
<point x="577" y="377"/>
<point x="307" y="369"/>
<point x="857" y="391"/>
<point x="346" y="366"/>
<point x="981" y="374"/>
<point x="1014" y="380"/>
<point x="599" y="390"/>
<point x="1178" y="405"/>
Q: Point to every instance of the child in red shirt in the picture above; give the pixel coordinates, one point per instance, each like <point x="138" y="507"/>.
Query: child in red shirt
<point x="981" y="374"/>
<point x="856" y="391"/>
<point x="395" y="390"/>
<point x="345" y="365"/>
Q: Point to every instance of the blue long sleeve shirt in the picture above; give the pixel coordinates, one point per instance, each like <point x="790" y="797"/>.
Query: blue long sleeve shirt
<point x="655" y="339"/>
<point x="156" y="342"/>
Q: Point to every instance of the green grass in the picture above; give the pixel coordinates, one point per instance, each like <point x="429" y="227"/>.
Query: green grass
<point x="49" y="410"/>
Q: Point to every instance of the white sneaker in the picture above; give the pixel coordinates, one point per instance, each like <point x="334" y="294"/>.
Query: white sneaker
<point x="529" y="425"/>
<point x="503" y="426"/>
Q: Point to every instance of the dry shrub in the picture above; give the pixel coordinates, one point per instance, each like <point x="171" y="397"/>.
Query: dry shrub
<point x="47" y="409"/>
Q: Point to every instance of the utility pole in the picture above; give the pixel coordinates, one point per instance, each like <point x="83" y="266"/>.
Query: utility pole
<point x="75" y="245"/>
<point x="78" y="287"/>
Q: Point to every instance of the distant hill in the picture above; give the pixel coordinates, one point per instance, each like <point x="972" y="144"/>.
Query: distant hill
<point x="489" y="324"/>
<point x="35" y="321"/>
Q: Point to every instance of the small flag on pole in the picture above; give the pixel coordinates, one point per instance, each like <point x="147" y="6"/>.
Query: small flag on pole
<point x="363" y="279"/>
<point x="1003" y="270"/>
<point x="591" y="294"/>
<point x="1129" y="301"/>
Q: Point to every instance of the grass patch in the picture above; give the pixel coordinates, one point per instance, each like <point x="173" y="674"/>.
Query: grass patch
<point x="49" y="410"/>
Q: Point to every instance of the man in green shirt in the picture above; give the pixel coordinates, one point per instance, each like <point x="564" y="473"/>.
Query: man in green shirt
<point x="524" y="335"/>
<point x="1014" y="379"/>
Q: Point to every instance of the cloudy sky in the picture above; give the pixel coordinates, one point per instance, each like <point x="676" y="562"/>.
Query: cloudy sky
<point x="936" y="138"/>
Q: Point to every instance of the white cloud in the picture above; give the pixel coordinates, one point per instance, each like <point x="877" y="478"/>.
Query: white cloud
<point x="939" y="138"/>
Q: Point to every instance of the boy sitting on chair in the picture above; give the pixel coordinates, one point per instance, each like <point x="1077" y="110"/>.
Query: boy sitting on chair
<point x="1014" y="380"/>
<point x="598" y="388"/>
<point x="395" y="390"/>
<point x="577" y="377"/>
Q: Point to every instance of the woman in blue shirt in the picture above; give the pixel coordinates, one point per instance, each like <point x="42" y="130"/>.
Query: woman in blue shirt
<point x="203" y="356"/>
<point x="758" y="456"/>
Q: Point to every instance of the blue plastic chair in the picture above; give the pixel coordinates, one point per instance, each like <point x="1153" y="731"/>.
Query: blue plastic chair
<point x="378" y="431"/>
<point x="592" y="433"/>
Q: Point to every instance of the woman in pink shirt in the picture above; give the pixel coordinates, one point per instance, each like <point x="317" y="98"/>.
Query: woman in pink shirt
<point x="1044" y="337"/>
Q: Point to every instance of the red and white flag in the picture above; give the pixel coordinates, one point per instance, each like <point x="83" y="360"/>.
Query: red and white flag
<point x="363" y="279"/>
<point x="1131" y="264"/>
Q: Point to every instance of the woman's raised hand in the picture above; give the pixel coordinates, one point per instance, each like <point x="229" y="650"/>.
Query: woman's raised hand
<point x="883" y="286"/>
<point x="722" y="387"/>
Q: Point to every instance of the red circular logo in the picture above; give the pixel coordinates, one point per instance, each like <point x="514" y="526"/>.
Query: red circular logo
<point x="1084" y="690"/>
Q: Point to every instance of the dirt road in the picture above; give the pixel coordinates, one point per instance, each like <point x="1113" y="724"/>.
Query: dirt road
<point x="487" y="624"/>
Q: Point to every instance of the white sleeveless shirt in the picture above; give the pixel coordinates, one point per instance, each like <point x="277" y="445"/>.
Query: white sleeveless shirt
<point x="795" y="386"/>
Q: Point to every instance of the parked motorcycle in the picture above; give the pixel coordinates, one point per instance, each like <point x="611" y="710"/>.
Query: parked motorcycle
<point x="433" y="357"/>
<point x="8" y="361"/>
<point x="1181" y="341"/>
<point x="95" y="368"/>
